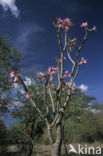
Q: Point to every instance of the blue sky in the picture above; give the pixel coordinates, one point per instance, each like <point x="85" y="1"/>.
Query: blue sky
<point x="27" y="24"/>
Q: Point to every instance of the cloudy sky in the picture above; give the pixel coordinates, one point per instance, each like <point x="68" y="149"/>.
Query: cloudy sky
<point x="27" y="24"/>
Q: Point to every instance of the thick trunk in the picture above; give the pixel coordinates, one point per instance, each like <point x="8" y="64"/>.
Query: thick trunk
<point x="56" y="147"/>
<point x="56" y="150"/>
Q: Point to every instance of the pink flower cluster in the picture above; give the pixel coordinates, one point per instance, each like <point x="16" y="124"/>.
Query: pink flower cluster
<point x="64" y="24"/>
<point x="51" y="71"/>
<point x="83" y="61"/>
<point x="72" y="90"/>
<point x="27" y="96"/>
<point x="15" y="75"/>
<point x="84" y="25"/>
<point x="66" y="74"/>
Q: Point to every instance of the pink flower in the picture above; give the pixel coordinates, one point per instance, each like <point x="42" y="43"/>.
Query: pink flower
<point x="52" y="70"/>
<point x="40" y="75"/>
<point x="58" y="20"/>
<point x="27" y="95"/>
<point x="72" y="89"/>
<point x="16" y="79"/>
<point x="12" y="74"/>
<point x="66" y="21"/>
<point x="84" y="24"/>
<point x="64" y="24"/>
<point x="64" y="58"/>
<point x="94" y="28"/>
<point x="66" y="74"/>
<point x="83" y="61"/>
<point x="66" y="28"/>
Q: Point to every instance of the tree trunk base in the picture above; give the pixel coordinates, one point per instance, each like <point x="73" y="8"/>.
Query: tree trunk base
<point x="56" y="150"/>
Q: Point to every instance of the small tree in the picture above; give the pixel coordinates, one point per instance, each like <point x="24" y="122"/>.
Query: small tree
<point x="53" y="109"/>
<point x="9" y="60"/>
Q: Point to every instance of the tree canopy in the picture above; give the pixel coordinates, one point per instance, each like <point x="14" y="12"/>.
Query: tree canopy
<point x="9" y="60"/>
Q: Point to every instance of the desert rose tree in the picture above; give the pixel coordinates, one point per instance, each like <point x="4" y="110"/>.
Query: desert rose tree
<point x="54" y="82"/>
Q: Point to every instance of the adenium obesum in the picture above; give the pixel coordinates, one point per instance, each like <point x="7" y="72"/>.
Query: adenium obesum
<point x="66" y="74"/>
<point x="52" y="70"/>
<point x="72" y="90"/>
<point x="64" y="24"/>
<point x="84" y="24"/>
<point x="27" y="96"/>
<point x="12" y="74"/>
<point x="15" y="75"/>
<point x="56" y="80"/>
<point x="83" y="61"/>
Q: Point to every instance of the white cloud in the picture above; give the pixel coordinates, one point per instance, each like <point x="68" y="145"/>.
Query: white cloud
<point x="10" y="4"/>
<point x="28" y="81"/>
<point x="83" y="87"/>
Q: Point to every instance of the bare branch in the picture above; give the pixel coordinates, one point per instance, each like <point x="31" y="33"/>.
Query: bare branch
<point x="65" y="44"/>
<point x="73" y="69"/>
<point x="51" y="97"/>
<point x="45" y="96"/>
<point x="54" y="122"/>
<point x="70" y="58"/>
<point x="67" y="99"/>
<point x="78" y="51"/>
<point x="62" y="52"/>
<point x="33" y="103"/>
<point x="77" y="72"/>
<point x="37" y="109"/>
<point x="69" y="52"/>
<point x="59" y="39"/>
<point x="84" y="40"/>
